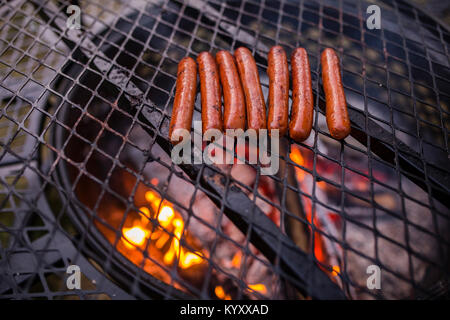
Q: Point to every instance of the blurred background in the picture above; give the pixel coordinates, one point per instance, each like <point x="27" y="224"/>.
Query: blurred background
<point x="440" y="9"/>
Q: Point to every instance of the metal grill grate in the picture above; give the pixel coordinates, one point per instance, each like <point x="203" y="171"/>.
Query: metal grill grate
<point x="83" y="138"/>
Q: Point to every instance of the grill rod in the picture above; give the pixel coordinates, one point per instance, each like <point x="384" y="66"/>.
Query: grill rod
<point x="300" y="269"/>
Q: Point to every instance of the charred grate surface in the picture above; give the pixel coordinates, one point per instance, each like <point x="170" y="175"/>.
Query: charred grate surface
<point x="83" y="125"/>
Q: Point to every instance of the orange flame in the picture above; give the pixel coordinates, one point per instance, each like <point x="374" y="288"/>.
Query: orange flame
<point x="336" y="271"/>
<point x="189" y="259"/>
<point x="297" y="157"/>
<point x="170" y="231"/>
<point x="165" y="216"/>
<point x="236" y="261"/>
<point x="153" y="199"/>
<point x="259" y="287"/>
<point x="220" y="293"/>
<point x="145" y="214"/>
<point x="134" y="236"/>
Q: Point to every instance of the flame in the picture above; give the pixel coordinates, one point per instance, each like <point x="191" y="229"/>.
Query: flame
<point x="297" y="157"/>
<point x="134" y="236"/>
<point x="170" y="222"/>
<point x="319" y="249"/>
<point x="220" y="293"/>
<point x="153" y="199"/>
<point x="145" y="215"/>
<point x="236" y="261"/>
<point x="174" y="249"/>
<point x="145" y="211"/>
<point x="189" y="259"/>
<point x="336" y="271"/>
<point x="165" y="216"/>
<point x="162" y="237"/>
<point x="259" y="287"/>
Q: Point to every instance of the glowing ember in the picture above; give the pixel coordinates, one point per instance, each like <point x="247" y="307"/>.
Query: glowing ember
<point x="336" y="271"/>
<point x="167" y="235"/>
<point x="162" y="239"/>
<point x="259" y="287"/>
<point x="145" y="215"/>
<point x="165" y="216"/>
<point x="319" y="249"/>
<point x="154" y="199"/>
<point x="160" y="228"/>
<point x="134" y="236"/>
<point x="145" y="211"/>
<point x="175" y="247"/>
<point x="297" y="157"/>
<point x="220" y="293"/>
<point x="236" y="262"/>
<point x="189" y="259"/>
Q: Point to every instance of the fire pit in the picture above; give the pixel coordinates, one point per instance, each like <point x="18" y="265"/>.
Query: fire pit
<point x="168" y="229"/>
<point x="101" y="189"/>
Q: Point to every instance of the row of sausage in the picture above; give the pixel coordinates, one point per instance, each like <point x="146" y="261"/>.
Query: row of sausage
<point x="243" y="100"/>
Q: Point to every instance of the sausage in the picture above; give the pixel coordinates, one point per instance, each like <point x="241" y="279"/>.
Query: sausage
<point x="248" y="72"/>
<point x="278" y="72"/>
<point x="183" y="105"/>
<point x="211" y="93"/>
<point x="337" y="114"/>
<point x="302" y="96"/>
<point x="233" y="96"/>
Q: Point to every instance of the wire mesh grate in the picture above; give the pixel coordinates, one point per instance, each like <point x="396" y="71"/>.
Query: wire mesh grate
<point x="84" y="116"/>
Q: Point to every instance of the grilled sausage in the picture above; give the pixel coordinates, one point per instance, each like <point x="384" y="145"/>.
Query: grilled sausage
<point x="183" y="105"/>
<point x="248" y="72"/>
<point x="336" y="105"/>
<point x="233" y="96"/>
<point x="278" y="72"/>
<point x="302" y="96"/>
<point x="210" y="90"/>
